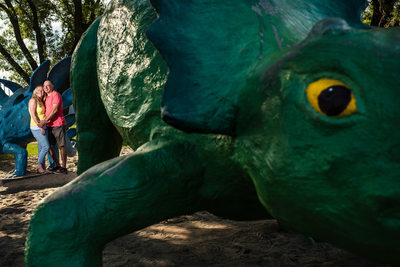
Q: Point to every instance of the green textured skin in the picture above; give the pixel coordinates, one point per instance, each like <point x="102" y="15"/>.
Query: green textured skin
<point x="98" y="139"/>
<point x="332" y="178"/>
<point x="213" y="47"/>
<point x="171" y="173"/>
<point x="131" y="72"/>
<point x="335" y="179"/>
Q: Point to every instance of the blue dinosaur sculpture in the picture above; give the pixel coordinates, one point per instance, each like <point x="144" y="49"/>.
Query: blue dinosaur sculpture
<point x="15" y="131"/>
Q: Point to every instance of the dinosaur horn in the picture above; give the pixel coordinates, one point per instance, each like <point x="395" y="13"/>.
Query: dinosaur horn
<point x="213" y="47"/>
<point x="39" y="75"/>
<point x="67" y="98"/>
<point x="60" y="72"/>
<point x="2" y="95"/>
<point x="10" y="85"/>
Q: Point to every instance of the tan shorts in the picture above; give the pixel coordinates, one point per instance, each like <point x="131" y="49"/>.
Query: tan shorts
<point x="57" y="135"/>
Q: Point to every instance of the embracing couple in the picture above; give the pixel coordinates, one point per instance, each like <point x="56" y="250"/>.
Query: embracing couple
<point x="48" y="125"/>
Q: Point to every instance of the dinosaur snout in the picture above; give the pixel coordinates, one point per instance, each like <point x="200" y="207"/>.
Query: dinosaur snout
<point x="169" y="119"/>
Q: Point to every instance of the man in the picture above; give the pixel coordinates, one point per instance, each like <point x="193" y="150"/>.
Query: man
<point x="54" y="118"/>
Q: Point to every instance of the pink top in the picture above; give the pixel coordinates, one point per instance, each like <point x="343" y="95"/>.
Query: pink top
<point x="58" y="118"/>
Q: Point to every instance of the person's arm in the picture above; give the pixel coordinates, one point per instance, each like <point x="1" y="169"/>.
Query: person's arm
<point x="54" y="109"/>
<point x="32" y="109"/>
<point x="53" y="112"/>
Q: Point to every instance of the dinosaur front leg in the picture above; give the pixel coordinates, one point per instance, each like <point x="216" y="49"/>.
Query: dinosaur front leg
<point x="20" y="155"/>
<point x="71" y="226"/>
<point x="91" y="132"/>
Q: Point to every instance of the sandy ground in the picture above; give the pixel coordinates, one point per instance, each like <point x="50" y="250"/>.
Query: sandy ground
<point x="199" y="239"/>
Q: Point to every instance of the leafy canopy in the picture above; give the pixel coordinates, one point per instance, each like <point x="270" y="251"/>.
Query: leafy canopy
<point x="32" y="31"/>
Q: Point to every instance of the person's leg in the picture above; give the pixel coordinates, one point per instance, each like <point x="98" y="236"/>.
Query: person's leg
<point x="52" y="163"/>
<point x="43" y="147"/>
<point x="63" y="153"/>
<point x="54" y="156"/>
<point x="59" y="134"/>
<point x="39" y="147"/>
<point x="52" y="142"/>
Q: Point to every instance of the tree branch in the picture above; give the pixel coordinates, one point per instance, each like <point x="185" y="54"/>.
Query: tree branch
<point x="78" y="21"/>
<point x="14" y="64"/>
<point x="17" y="31"/>
<point x="376" y="13"/>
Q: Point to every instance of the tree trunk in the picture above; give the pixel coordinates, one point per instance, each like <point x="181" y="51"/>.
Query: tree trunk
<point x="40" y="38"/>
<point x="78" y="21"/>
<point x="376" y="13"/>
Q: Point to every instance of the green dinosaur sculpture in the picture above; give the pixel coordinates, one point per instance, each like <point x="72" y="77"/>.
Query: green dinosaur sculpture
<point x="287" y="103"/>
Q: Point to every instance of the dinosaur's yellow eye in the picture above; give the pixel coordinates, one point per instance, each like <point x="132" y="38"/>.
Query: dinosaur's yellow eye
<point x="331" y="97"/>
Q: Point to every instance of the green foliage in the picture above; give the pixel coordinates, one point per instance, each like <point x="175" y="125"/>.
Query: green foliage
<point x="395" y="21"/>
<point x="6" y="156"/>
<point x="47" y="30"/>
<point x="366" y="16"/>
<point x="32" y="149"/>
<point x="382" y="13"/>
<point x="69" y="28"/>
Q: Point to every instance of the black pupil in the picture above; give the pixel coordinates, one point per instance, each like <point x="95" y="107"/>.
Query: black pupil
<point x="334" y="100"/>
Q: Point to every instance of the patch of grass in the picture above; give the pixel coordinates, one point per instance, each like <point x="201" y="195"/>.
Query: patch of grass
<point x="6" y="156"/>
<point x="31" y="148"/>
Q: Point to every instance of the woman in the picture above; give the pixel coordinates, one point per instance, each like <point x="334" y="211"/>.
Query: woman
<point x="37" y="110"/>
